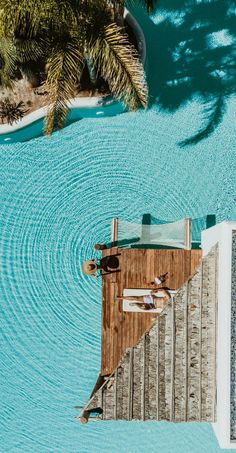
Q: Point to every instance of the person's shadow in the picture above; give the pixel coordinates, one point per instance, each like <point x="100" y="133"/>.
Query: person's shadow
<point x="191" y="51"/>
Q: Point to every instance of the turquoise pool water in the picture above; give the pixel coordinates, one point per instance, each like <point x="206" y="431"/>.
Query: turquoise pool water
<point x="57" y="198"/>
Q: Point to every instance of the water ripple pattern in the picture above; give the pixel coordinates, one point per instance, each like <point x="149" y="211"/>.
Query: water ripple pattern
<point x="57" y="197"/>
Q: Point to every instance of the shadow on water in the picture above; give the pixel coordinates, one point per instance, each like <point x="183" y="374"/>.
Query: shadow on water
<point x="191" y="50"/>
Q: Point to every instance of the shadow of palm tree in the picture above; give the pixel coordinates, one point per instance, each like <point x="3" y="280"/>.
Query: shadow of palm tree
<point x="191" y="49"/>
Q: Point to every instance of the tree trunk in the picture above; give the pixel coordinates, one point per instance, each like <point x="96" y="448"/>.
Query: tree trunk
<point x="91" y="70"/>
<point x="118" y="10"/>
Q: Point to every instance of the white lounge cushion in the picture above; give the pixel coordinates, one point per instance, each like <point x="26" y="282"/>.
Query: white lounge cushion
<point x="140" y="292"/>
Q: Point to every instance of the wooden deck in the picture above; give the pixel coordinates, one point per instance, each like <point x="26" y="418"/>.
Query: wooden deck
<point x="138" y="267"/>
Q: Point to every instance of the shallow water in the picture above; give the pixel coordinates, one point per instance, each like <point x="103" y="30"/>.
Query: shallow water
<point x="58" y="196"/>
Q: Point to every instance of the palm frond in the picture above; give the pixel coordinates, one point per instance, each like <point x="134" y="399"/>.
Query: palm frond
<point x="118" y="63"/>
<point x="30" y="49"/>
<point x="7" y="56"/>
<point x="29" y="16"/>
<point x="54" y="15"/>
<point x="64" y="68"/>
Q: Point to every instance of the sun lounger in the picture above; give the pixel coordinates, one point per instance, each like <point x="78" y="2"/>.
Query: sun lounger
<point x="139" y="292"/>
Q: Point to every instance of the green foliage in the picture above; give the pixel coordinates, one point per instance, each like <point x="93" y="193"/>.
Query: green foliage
<point x="64" y="69"/>
<point x="11" y="111"/>
<point x="119" y="65"/>
<point x="61" y="35"/>
<point x="7" y="61"/>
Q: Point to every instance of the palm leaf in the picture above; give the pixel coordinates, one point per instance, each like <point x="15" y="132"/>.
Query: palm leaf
<point x="30" y="49"/>
<point x="64" y="68"/>
<point x="118" y="63"/>
<point x="8" y="56"/>
<point x="28" y="16"/>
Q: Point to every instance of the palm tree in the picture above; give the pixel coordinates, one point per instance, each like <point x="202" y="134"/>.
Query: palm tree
<point x="65" y="36"/>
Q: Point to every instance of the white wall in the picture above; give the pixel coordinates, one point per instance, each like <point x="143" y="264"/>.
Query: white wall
<point x="222" y="233"/>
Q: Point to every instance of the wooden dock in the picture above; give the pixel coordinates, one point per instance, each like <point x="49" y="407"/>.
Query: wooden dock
<point x="138" y="268"/>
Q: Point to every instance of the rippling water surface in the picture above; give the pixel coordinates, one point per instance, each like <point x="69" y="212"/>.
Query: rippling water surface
<point x="58" y="196"/>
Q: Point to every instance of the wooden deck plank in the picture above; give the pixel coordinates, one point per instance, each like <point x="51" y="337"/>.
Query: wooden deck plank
<point x="138" y="269"/>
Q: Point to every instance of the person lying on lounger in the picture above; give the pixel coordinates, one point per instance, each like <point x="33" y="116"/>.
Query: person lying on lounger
<point x="143" y="306"/>
<point x="150" y="301"/>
